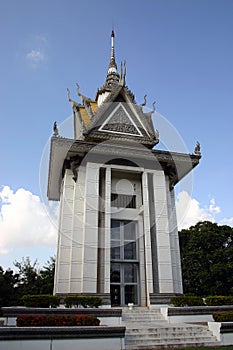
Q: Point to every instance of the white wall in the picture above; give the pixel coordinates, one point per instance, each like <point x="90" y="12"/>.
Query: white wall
<point x="61" y="344"/>
<point x="80" y="235"/>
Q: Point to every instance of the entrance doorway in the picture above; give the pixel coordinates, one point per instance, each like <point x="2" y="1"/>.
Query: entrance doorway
<point x="124" y="263"/>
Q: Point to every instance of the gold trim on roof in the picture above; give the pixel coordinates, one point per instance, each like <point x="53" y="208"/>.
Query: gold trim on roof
<point x="84" y="115"/>
<point x="94" y="106"/>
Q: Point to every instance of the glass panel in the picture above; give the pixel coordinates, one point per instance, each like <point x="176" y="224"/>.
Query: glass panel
<point x="131" y="202"/>
<point x="115" y="229"/>
<point x="115" y="295"/>
<point x="123" y="200"/>
<point x="123" y="273"/>
<point x="115" y="252"/>
<point x="115" y="273"/>
<point x="131" y="294"/>
<point x="130" y="251"/>
<point x="114" y="201"/>
<point x="130" y="273"/>
<point x="129" y="231"/>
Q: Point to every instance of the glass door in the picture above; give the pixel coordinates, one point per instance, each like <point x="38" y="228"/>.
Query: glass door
<point x="124" y="263"/>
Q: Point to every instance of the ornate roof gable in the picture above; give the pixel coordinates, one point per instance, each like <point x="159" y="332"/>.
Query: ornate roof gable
<point x="114" y="114"/>
<point x="120" y="121"/>
<point x="119" y="117"/>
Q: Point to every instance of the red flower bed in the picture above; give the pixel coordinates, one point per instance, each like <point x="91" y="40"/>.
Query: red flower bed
<point x="56" y="320"/>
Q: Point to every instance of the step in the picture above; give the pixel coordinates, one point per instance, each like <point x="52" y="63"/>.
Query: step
<point x="170" y="344"/>
<point x="178" y="339"/>
<point x="142" y="315"/>
<point x="145" y="311"/>
<point x="166" y="346"/>
<point x="138" y="312"/>
<point x="143" y="319"/>
<point x="167" y="334"/>
<point x="166" y="328"/>
<point x="147" y="330"/>
<point x="137" y="317"/>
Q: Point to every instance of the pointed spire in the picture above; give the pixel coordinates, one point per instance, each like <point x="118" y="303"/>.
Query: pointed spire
<point x="112" y="75"/>
<point x="122" y="74"/>
<point x="112" y="65"/>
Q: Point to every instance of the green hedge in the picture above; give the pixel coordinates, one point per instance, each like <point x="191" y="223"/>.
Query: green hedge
<point x="84" y="301"/>
<point x="56" y="321"/>
<point x="41" y="300"/>
<point x="219" y="300"/>
<point x="187" y="301"/>
<point x="224" y="316"/>
<point x="216" y="300"/>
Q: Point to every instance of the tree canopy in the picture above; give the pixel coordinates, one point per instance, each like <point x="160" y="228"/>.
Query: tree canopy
<point x="207" y="259"/>
<point x="28" y="280"/>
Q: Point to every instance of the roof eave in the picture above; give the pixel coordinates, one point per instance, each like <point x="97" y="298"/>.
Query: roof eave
<point x="59" y="148"/>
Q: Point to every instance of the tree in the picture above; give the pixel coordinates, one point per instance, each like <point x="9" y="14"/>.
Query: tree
<point x="34" y="280"/>
<point x="207" y="259"/>
<point x="27" y="281"/>
<point x="8" y="291"/>
<point x="28" y="276"/>
<point x="46" y="277"/>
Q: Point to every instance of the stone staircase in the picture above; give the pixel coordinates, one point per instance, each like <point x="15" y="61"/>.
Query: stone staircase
<point x="147" y="329"/>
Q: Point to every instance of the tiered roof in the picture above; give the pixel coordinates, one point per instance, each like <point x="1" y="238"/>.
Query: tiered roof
<point x="114" y="113"/>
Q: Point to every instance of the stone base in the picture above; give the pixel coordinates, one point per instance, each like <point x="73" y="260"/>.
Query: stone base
<point x="56" y="338"/>
<point x="162" y="298"/>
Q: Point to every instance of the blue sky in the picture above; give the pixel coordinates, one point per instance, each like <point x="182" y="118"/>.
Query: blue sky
<point x="178" y="52"/>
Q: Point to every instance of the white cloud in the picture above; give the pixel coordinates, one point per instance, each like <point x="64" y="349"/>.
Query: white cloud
<point x="6" y="195"/>
<point x="213" y="208"/>
<point x="24" y="221"/>
<point x="35" y="56"/>
<point x="189" y="211"/>
<point x="37" y="52"/>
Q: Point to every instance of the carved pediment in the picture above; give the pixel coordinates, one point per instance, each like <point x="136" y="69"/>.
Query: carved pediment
<point x="120" y="122"/>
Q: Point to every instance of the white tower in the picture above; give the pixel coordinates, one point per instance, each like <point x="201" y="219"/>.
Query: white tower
<point x="117" y="234"/>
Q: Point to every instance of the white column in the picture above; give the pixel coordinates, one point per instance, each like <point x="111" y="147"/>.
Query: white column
<point x="76" y="272"/>
<point x="90" y="227"/>
<point x="107" y="229"/>
<point x="63" y="263"/>
<point x="164" y="262"/>
<point x="146" y="222"/>
<point x="174" y="239"/>
<point x="142" y="265"/>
